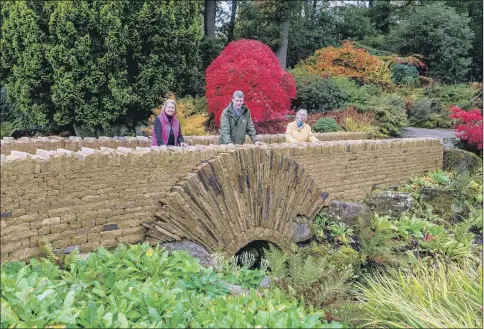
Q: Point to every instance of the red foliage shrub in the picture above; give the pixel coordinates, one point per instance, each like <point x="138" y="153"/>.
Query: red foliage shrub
<point x="272" y="126"/>
<point x="470" y="127"/>
<point x="252" y="67"/>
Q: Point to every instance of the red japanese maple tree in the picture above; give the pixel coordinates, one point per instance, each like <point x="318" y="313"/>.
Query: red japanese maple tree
<point x="252" y="67"/>
<point x="470" y="125"/>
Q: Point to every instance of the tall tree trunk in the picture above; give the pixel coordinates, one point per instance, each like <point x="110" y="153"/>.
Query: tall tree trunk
<point x="281" y="52"/>
<point x="232" y="21"/>
<point x="209" y="18"/>
<point x="370" y="3"/>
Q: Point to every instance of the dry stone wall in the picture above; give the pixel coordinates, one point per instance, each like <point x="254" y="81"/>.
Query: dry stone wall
<point x="101" y="197"/>
<point x="30" y="145"/>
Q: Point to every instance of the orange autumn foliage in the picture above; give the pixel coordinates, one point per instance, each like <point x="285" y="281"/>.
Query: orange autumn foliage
<point x="350" y="62"/>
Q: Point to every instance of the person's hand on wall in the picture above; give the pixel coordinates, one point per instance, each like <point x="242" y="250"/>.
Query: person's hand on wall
<point x="259" y="143"/>
<point x="183" y="144"/>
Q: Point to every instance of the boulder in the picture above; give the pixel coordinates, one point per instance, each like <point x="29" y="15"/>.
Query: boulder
<point x="461" y="161"/>
<point x="391" y="203"/>
<point x="349" y="212"/>
<point x="192" y="248"/>
<point x="440" y="199"/>
<point x="266" y="282"/>
<point x="302" y="232"/>
<point x="450" y="143"/>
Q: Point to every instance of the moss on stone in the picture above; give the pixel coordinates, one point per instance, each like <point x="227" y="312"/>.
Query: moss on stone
<point x="440" y="199"/>
<point x="461" y="161"/>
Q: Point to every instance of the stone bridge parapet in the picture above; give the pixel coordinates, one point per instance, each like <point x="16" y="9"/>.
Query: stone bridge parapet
<point x="52" y="143"/>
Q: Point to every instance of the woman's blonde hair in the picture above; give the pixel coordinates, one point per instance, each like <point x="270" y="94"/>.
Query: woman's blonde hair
<point x="166" y="103"/>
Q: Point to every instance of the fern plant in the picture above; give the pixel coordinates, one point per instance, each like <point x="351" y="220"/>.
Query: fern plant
<point x="310" y="274"/>
<point x="64" y="261"/>
<point x="276" y="260"/>
<point x="379" y="243"/>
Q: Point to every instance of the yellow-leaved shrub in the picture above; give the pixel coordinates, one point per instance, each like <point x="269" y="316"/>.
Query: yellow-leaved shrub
<point x="191" y="112"/>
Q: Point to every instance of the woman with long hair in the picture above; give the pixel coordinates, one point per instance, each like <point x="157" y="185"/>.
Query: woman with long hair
<point x="167" y="129"/>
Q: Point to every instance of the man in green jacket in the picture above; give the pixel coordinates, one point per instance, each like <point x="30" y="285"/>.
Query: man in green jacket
<point x="236" y="122"/>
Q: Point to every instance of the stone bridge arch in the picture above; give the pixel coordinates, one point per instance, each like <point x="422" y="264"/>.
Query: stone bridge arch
<point x="237" y="197"/>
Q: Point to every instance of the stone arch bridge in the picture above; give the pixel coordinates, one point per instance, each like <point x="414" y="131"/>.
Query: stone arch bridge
<point x="217" y="196"/>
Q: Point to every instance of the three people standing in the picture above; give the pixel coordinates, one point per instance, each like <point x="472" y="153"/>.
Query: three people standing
<point x="235" y="123"/>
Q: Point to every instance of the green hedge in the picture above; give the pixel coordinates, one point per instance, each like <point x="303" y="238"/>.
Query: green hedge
<point x="98" y="63"/>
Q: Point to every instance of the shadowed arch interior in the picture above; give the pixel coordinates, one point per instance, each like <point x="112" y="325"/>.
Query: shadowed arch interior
<point x="237" y="197"/>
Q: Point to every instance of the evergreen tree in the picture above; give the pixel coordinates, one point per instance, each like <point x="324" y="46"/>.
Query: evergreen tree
<point x="441" y="35"/>
<point x="97" y="63"/>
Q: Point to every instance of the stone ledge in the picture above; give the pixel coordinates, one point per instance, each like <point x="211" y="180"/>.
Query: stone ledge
<point x="291" y="149"/>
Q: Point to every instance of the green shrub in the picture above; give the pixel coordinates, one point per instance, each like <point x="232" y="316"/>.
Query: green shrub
<point x="459" y="94"/>
<point x="372" y="90"/>
<point x="318" y="94"/>
<point x="442" y="296"/>
<point x="194" y="105"/>
<point x="7" y="129"/>
<point x="326" y="125"/>
<point x="143" y="287"/>
<point x="389" y="113"/>
<point x="356" y="94"/>
<point x="403" y="74"/>
<point x="428" y="113"/>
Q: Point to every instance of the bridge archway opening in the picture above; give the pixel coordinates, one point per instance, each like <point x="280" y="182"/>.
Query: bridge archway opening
<point x="257" y="248"/>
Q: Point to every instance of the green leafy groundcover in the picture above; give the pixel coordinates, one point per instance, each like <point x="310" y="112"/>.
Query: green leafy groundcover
<point x="140" y="287"/>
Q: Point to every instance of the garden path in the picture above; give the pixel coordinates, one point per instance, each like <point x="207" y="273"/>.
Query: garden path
<point x="413" y="132"/>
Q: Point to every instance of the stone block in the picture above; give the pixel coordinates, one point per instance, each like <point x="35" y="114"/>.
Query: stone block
<point x="135" y="238"/>
<point x="51" y="221"/>
<point x="25" y="253"/>
<point x="110" y="227"/>
<point x="108" y="243"/>
<point x="87" y="247"/>
<point x="62" y="243"/>
<point x="79" y="239"/>
<point x="11" y="230"/>
<point x="133" y="230"/>
<point x="59" y="228"/>
<point x="44" y="230"/>
<point x="59" y="212"/>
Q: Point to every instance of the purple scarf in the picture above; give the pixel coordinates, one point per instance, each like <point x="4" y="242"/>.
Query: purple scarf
<point x="165" y="129"/>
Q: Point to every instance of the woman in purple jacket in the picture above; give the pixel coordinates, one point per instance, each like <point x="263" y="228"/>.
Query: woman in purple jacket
<point x="167" y="129"/>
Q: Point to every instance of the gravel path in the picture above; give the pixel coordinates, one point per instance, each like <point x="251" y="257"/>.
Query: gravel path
<point x="411" y="132"/>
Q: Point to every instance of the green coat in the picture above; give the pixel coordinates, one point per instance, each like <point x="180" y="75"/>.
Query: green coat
<point x="233" y="129"/>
